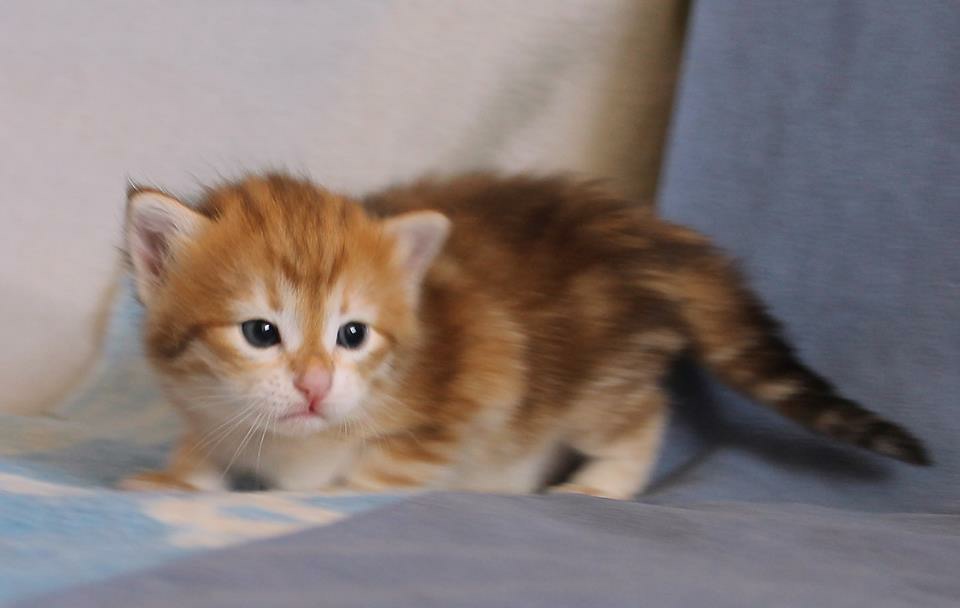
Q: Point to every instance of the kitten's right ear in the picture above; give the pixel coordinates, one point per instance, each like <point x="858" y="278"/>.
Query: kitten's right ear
<point x="156" y="225"/>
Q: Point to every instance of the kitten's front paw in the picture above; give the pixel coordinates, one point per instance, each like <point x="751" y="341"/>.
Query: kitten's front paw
<point x="154" y="481"/>
<point x="576" y="488"/>
<point x="337" y="491"/>
<point x="351" y="489"/>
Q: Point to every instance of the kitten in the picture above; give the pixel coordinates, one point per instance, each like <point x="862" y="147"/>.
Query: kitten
<point x="455" y="334"/>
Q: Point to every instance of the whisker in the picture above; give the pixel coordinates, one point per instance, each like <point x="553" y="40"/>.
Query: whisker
<point x="203" y="401"/>
<point x="263" y="435"/>
<point x="210" y="434"/>
<point x="223" y="430"/>
<point x="243" y="443"/>
<point x="223" y="436"/>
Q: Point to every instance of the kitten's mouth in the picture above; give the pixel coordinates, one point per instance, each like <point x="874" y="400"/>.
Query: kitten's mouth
<point x="305" y="414"/>
<point x="313" y="409"/>
<point x="300" y="422"/>
<point x="306" y="418"/>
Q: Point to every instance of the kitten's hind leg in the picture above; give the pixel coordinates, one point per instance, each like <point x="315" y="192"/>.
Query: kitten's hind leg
<point x="621" y="455"/>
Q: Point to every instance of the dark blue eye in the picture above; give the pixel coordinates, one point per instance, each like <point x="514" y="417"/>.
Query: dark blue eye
<point x="260" y="333"/>
<point x="352" y="335"/>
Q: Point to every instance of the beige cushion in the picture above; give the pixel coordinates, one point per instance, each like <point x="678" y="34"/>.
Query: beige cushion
<point x="357" y="94"/>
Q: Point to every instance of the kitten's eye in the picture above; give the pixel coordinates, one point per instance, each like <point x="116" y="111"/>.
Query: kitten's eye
<point x="260" y="333"/>
<point x="351" y="335"/>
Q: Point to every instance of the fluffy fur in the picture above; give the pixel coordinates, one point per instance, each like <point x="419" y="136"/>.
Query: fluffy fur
<point x="509" y="320"/>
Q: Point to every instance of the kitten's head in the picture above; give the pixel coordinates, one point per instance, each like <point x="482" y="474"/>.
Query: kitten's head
<point x="276" y="302"/>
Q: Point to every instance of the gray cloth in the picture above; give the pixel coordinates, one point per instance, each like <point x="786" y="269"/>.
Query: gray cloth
<point x="820" y="142"/>
<point x="462" y="550"/>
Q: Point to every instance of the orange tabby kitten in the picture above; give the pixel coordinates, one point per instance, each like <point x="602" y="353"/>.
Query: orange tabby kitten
<point x="451" y="334"/>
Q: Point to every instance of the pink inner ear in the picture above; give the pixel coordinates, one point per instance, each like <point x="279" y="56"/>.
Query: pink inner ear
<point x="156" y="224"/>
<point x="422" y="238"/>
<point x="421" y="249"/>
<point x="153" y="252"/>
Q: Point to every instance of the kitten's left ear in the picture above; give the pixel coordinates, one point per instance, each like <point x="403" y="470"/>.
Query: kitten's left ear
<point x="420" y="236"/>
<point x="157" y="224"/>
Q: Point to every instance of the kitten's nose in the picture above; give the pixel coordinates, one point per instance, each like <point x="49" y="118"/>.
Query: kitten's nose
<point x="314" y="383"/>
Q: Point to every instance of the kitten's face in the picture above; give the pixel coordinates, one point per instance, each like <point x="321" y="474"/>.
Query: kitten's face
<point x="273" y="340"/>
<point x="282" y="306"/>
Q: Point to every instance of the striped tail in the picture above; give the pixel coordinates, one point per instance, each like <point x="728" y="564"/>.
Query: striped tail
<point x="734" y="336"/>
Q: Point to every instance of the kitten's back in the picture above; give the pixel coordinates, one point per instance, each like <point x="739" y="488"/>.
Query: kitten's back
<point x="593" y="279"/>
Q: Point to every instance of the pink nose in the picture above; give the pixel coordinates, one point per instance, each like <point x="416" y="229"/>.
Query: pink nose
<point x="314" y="383"/>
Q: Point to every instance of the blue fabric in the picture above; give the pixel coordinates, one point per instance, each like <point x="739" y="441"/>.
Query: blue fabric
<point x="458" y="551"/>
<point x="819" y="142"/>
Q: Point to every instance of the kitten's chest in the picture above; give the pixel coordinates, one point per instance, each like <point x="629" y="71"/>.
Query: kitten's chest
<point x="296" y="464"/>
